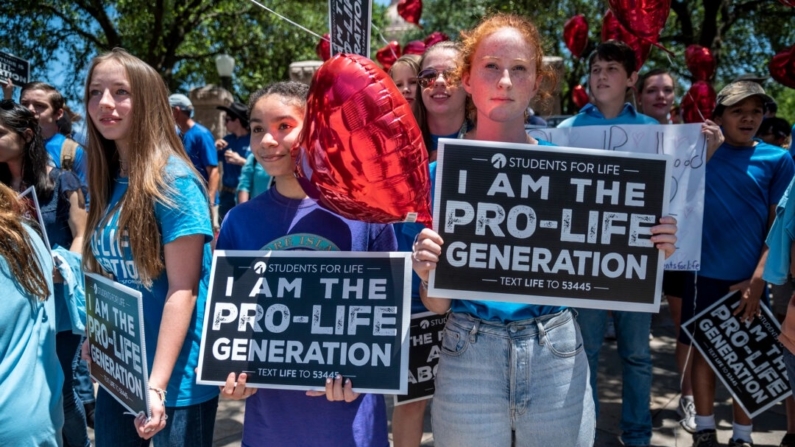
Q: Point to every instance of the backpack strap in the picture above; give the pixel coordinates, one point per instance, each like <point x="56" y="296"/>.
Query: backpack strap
<point x="68" y="150"/>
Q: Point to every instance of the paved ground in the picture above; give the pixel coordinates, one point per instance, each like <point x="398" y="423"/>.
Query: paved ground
<point x="769" y="428"/>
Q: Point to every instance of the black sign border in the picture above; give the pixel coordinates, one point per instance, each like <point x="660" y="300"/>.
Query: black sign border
<point x="286" y="254"/>
<point x="369" y="25"/>
<point x="418" y="316"/>
<point x="433" y="291"/>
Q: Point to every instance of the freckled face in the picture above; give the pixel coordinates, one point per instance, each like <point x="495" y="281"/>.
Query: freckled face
<point x="441" y="99"/>
<point x="502" y="80"/>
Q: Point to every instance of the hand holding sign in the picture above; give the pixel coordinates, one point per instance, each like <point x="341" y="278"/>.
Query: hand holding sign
<point x="751" y="290"/>
<point x="236" y="389"/>
<point x="336" y="391"/>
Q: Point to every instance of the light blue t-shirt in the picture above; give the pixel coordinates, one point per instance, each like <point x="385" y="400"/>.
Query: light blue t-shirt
<point x="253" y="178"/>
<point x="742" y="183"/>
<point x="200" y="146"/>
<point x="498" y="310"/>
<point x="30" y="375"/>
<point x="779" y="240"/>
<point x="53" y="146"/>
<point x="591" y="116"/>
<point x="188" y="215"/>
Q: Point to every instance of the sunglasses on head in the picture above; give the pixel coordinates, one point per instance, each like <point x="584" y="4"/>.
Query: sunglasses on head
<point x="428" y="77"/>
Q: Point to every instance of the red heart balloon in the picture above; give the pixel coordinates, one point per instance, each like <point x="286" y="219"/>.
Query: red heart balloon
<point x="579" y="96"/>
<point x="698" y="103"/>
<point x="788" y="3"/>
<point x="700" y="62"/>
<point x="575" y="34"/>
<point x="613" y="30"/>
<point x="782" y="67"/>
<point x="414" y="47"/>
<point x="410" y="10"/>
<point x="388" y="54"/>
<point x="643" y="18"/>
<point x="361" y="152"/>
<point x="434" y="38"/>
<point x="323" y="48"/>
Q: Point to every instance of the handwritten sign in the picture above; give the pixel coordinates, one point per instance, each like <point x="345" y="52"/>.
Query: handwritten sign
<point x="115" y="323"/>
<point x="746" y="356"/>
<point x="349" y="22"/>
<point x="549" y="225"/>
<point x="684" y="143"/>
<point x="291" y="319"/>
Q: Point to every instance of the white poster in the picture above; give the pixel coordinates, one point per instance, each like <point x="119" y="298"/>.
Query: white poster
<point x="685" y="143"/>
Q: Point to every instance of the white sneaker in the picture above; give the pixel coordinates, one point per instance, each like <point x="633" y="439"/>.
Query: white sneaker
<point x="687" y="411"/>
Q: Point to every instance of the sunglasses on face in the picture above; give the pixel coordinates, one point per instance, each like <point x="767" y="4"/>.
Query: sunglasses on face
<point x="428" y="77"/>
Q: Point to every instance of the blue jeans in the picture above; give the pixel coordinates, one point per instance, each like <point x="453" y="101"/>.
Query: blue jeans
<point x="75" y="433"/>
<point x="190" y="426"/>
<point x="83" y="385"/>
<point x="526" y="379"/>
<point x="632" y="332"/>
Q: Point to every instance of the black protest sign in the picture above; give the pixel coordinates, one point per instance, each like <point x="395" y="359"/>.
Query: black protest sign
<point x="14" y="68"/>
<point x="290" y="319"/>
<point x="746" y="356"/>
<point x="115" y="325"/>
<point x="425" y="337"/>
<point x="349" y="22"/>
<point x="549" y="225"/>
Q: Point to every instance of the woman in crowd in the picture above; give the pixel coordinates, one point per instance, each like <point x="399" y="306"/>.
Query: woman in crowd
<point x="404" y="73"/>
<point x="24" y="163"/>
<point x="149" y="230"/>
<point x="27" y="330"/>
<point x="656" y="94"/>
<point x="486" y="341"/>
<point x="275" y="417"/>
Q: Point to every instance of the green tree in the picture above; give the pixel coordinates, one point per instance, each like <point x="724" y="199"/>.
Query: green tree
<point x="742" y="34"/>
<point x="178" y="38"/>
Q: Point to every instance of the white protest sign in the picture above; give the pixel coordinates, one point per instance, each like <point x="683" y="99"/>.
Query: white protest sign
<point x="684" y="143"/>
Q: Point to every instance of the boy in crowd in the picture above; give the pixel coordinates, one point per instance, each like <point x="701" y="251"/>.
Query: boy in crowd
<point x="48" y="105"/>
<point x="775" y="131"/>
<point x="612" y="73"/>
<point x="233" y="150"/>
<point x="745" y="179"/>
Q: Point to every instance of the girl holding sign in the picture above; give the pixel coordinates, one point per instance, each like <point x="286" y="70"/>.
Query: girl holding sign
<point x="508" y="371"/>
<point x="282" y="217"/>
<point x="150" y="230"/>
<point x="24" y="163"/>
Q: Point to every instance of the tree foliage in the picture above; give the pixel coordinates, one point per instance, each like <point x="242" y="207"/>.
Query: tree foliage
<point x="742" y="34"/>
<point x="178" y="38"/>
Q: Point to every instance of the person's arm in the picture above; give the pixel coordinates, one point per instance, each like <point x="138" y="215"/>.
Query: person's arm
<point x="424" y="256"/>
<point x="183" y="259"/>
<point x="233" y="158"/>
<point x="753" y="287"/>
<point x="242" y="197"/>
<point x="8" y="89"/>
<point x="713" y="135"/>
<point x="213" y="177"/>
<point x="77" y="220"/>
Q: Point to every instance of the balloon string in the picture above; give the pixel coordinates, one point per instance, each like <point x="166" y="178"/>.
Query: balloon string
<point x="291" y="22"/>
<point x="384" y="40"/>
<point x="695" y="104"/>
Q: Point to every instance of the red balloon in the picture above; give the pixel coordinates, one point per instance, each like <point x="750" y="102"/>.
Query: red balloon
<point x="414" y="47"/>
<point x="434" y="38"/>
<point x="698" y="103"/>
<point x="575" y="34"/>
<point x="579" y="96"/>
<point x="642" y="18"/>
<point x="323" y="48"/>
<point x="613" y="30"/>
<point x="361" y="152"/>
<point x="788" y="3"/>
<point x="410" y="10"/>
<point x="700" y="62"/>
<point x="388" y="54"/>
<point x="782" y="67"/>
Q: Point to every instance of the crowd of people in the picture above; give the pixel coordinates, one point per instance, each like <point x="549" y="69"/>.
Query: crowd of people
<point x="151" y="193"/>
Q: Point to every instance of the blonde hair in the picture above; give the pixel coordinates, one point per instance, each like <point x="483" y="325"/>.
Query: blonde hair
<point x="16" y="247"/>
<point x="152" y="141"/>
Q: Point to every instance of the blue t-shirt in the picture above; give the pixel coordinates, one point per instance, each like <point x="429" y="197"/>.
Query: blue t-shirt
<point x="742" y="183"/>
<point x="792" y="141"/>
<point x="240" y="145"/>
<point x="591" y="116"/>
<point x="53" y="146"/>
<point x="30" y="375"/>
<point x="200" y="146"/>
<point x="277" y="418"/>
<point x="253" y="178"/>
<point x="188" y="215"/>
<point x="498" y="310"/>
